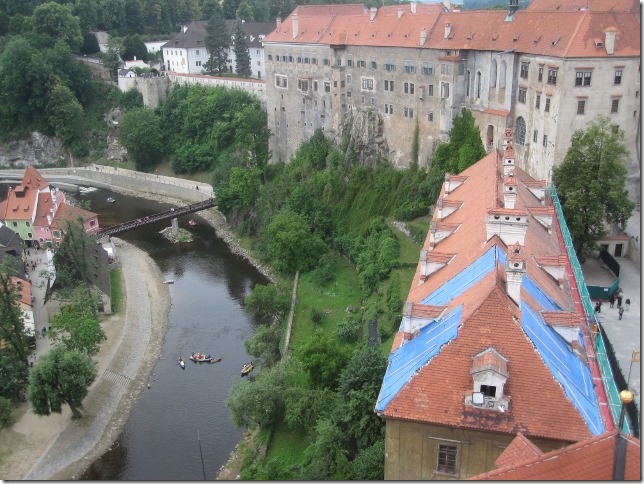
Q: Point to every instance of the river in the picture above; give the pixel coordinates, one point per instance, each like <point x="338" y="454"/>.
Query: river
<point x="183" y="415"/>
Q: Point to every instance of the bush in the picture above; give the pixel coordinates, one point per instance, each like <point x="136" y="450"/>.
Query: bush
<point x="324" y="272"/>
<point x="5" y="412"/>
<point x="349" y="330"/>
<point x="316" y="316"/>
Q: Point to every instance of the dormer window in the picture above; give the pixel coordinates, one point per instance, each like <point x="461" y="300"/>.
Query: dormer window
<point x="489" y="374"/>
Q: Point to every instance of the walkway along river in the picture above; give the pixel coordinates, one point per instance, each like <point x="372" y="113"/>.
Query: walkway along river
<point x="159" y="440"/>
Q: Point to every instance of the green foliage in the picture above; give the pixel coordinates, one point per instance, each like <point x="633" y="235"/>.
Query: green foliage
<point x="140" y="134"/>
<point x="134" y="47"/>
<point x="131" y="99"/>
<point x="369" y="464"/>
<point x="90" y="44"/>
<point x="56" y="22"/>
<point x="268" y="300"/>
<point x="61" y="377"/>
<point x="591" y="183"/>
<point x="414" y="147"/>
<point x="327" y="456"/>
<point x="72" y="259"/>
<point x="239" y="191"/>
<point x="12" y="327"/>
<point x="414" y="200"/>
<point x="77" y="326"/>
<point x="265" y="343"/>
<point x="323" y="358"/>
<point x="316" y="316"/>
<point x="217" y="42"/>
<point x="242" y="55"/>
<point x="324" y="271"/>
<point x="394" y="301"/>
<point x="6" y="409"/>
<point x="305" y="406"/>
<point x="349" y="330"/>
<point x="289" y="244"/>
<point x="14" y="375"/>
<point x="65" y="113"/>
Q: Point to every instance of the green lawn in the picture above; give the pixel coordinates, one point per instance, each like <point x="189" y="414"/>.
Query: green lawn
<point x="117" y="290"/>
<point x="286" y="446"/>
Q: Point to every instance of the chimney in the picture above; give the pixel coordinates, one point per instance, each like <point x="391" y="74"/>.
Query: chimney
<point x="515" y="268"/>
<point x="185" y="29"/>
<point x="510" y="225"/>
<point x="448" y="29"/>
<point x="296" y="26"/>
<point x="457" y="8"/>
<point x="509" y="190"/>
<point x="412" y="6"/>
<point x="508" y="158"/>
<point x="400" y="12"/>
<point x="447" y="4"/>
<point x="609" y="40"/>
<point x="423" y="36"/>
<point x="514" y="6"/>
<point x="278" y="20"/>
<point x="373" y="13"/>
<point x="134" y="57"/>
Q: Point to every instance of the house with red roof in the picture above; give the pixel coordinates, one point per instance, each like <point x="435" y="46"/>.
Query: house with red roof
<point x="394" y="77"/>
<point x="493" y="341"/>
<point x="38" y="212"/>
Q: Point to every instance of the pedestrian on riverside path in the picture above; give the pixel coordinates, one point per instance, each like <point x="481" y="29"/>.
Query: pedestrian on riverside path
<point x="628" y="304"/>
<point x="611" y="300"/>
<point x="619" y="300"/>
<point x="598" y="307"/>
<point x="621" y="311"/>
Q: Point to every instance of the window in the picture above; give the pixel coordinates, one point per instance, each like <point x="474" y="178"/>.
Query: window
<point x="409" y="88"/>
<point x="92" y="223"/>
<point x="372" y="63"/>
<point x="552" y="75"/>
<point x="618" y="76"/>
<point x="520" y="131"/>
<point x="430" y="116"/>
<point x="410" y="67"/>
<point x="522" y="94"/>
<point x="446" y="69"/>
<point x="314" y="60"/>
<point x="430" y="90"/>
<point x="540" y="76"/>
<point x="582" y="78"/>
<point x="270" y="57"/>
<point x="327" y="86"/>
<point x="342" y="84"/>
<point x="348" y="79"/>
<point x="488" y="390"/>
<point x="581" y="106"/>
<point x="614" y="106"/>
<point x="367" y="84"/>
<point x="547" y="106"/>
<point x="362" y="64"/>
<point x="389" y="85"/>
<point x="444" y="90"/>
<point x="281" y="81"/>
<point x="15" y="224"/>
<point x="545" y="140"/>
<point x="303" y="85"/>
<point x="28" y="224"/>
<point x="198" y="63"/>
<point x="467" y="84"/>
<point x="348" y="93"/>
<point x="537" y="103"/>
<point x="428" y="68"/>
<point x="389" y="109"/>
<point x="409" y="112"/>
<point x="338" y="61"/>
<point x="325" y="62"/>
<point x="447" y="458"/>
<point x="389" y="65"/>
<point x="349" y="60"/>
<point x="307" y="60"/>
<point x="478" y="85"/>
<point x="290" y="58"/>
<point x="315" y="85"/>
<point x="524" y="70"/>
<point x="535" y="136"/>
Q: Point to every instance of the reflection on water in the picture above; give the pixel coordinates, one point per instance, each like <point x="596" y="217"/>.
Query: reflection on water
<point x="160" y="439"/>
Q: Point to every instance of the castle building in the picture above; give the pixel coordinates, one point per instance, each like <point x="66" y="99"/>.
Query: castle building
<point x="493" y="341"/>
<point x="390" y="78"/>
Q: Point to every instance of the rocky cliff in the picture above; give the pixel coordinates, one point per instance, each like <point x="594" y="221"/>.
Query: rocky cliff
<point x="36" y="149"/>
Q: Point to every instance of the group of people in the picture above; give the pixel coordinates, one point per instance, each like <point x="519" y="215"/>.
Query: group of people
<point x="615" y="297"/>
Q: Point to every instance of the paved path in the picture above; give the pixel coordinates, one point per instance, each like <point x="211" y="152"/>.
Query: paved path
<point x="115" y="378"/>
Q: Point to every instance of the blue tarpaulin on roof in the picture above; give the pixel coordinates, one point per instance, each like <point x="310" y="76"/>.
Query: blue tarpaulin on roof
<point x="571" y="373"/>
<point x="465" y="279"/>
<point x="542" y="298"/>
<point x="410" y="357"/>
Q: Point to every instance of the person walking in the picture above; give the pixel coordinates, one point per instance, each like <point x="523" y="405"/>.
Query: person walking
<point x="621" y="311"/>
<point x="611" y="300"/>
<point x="619" y="300"/>
<point x="598" y="307"/>
<point x="627" y="303"/>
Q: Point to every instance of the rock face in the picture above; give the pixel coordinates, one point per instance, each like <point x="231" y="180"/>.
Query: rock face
<point x="365" y="131"/>
<point x="37" y="149"/>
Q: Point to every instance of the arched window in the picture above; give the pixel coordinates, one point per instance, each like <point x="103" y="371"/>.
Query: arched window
<point x="478" y="85"/>
<point x="519" y="132"/>
<point x="502" y="75"/>
<point x="468" y="81"/>
<point x="445" y="90"/>
<point x="493" y="68"/>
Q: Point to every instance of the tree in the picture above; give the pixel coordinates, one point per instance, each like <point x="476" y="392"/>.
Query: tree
<point x="591" y="182"/>
<point x="111" y="58"/>
<point x="324" y="358"/>
<point x="5" y="412"/>
<point x="245" y="12"/>
<point x="77" y="325"/>
<point x="289" y="243"/>
<point x="61" y="376"/>
<point x="14" y="375"/>
<point x="72" y="258"/>
<point x="265" y="343"/>
<point x="12" y="326"/>
<point x="65" y="114"/>
<point x="134" y="47"/>
<point x="242" y="55"/>
<point x="217" y="43"/>
<point x="140" y="133"/>
<point x="369" y="464"/>
<point x="230" y="8"/>
<point x="268" y="300"/>
<point x="239" y="191"/>
<point x="57" y="22"/>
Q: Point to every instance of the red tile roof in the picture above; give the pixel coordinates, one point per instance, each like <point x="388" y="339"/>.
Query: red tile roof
<point x="490" y="318"/>
<point x="33" y="179"/>
<point x="591" y="459"/>
<point x="549" y="32"/>
<point x="520" y="449"/>
<point x="580" y="5"/>
<point x="25" y="289"/>
<point x="69" y="213"/>
<point x="20" y="203"/>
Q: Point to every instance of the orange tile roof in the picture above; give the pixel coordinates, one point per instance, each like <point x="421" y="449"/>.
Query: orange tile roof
<point x="25" y="289"/>
<point x="591" y="459"/>
<point x="69" y="213"/>
<point x="33" y="179"/>
<point x="21" y="201"/>
<point x="490" y="318"/>
<point x="580" y="5"/>
<point x="562" y="318"/>
<point x="520" y="449"/>
<point x="549" y="32"/>
<point x="44" y="206"/>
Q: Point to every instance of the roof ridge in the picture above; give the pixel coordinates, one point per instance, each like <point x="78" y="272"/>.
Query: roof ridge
<point x="581" y="20"/>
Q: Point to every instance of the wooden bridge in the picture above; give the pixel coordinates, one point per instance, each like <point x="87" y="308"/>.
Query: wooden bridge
<point x="165" y="215"/>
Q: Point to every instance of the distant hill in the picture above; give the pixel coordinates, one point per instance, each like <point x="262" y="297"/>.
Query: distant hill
<point x="491" y="4"/>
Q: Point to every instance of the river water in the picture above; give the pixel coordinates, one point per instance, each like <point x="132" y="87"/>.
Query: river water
<point x="183" y="416"/>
